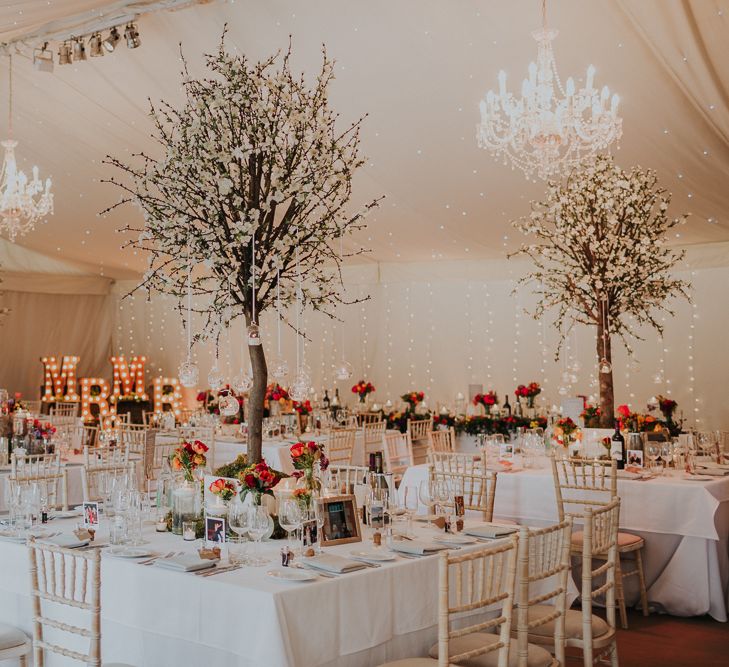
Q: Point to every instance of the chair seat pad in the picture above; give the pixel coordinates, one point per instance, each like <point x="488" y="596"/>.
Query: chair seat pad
<point x="11" y="637"/>
<point x="572" y="623"/>
<point x="537" y="656"/>
<point x="624" y="539"/>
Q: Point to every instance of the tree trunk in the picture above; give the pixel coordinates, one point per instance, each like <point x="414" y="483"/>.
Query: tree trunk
<point x="256" y="397"/>
<point x="607" y="396"/>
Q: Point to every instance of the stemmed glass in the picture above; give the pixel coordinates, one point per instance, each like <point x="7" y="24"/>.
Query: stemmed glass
<point x="410" y="500"/>
<point x="425" y="493"/>
<point x="289" y="516"/>
<point x="257" y="529"/>
<point x="653" y="451"/>
<point x="239" y="522"/>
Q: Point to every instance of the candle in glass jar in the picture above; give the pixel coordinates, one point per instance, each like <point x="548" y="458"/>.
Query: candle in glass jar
<point x="188" y="531"/>
<point x="161" y="526"/>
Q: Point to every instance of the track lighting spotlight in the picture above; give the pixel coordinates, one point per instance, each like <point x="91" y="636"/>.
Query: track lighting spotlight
<point x="64" y="54"/>
<point x="43" y="59"/>
<point x="111" y="41"/>
<point x="131" y="34"/>
<point x="95" y="49"/>
<point x="78" y="49"/>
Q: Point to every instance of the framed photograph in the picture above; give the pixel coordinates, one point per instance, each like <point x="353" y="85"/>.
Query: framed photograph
<point x="635" y="458"/>
<point x="506" y="450"/>
<point x="91" y="514"/>
<point x="214" y="530"/>
<point x="309" y="533"/>
<point x="341" y="520"/>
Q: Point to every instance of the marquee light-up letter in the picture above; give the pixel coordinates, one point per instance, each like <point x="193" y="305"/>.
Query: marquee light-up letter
<point x="128" y="380"/>
<point x="173" y="399"/>
<point x="101" y="399"/>
<point x="59" y="386"/>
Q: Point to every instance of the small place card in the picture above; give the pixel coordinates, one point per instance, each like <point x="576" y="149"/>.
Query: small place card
<point x="635" y="458"/>
<point x="506" y="450"/>
<point x="214" y="530"/>
<point x="91" y="514"/>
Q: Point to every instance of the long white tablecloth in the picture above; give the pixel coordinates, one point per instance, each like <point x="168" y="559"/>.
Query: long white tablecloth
<point x="158" y="618"/>
<point x="685" y="525"/>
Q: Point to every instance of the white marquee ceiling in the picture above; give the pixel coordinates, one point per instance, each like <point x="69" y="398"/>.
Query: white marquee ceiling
<point x="418" y="68"/>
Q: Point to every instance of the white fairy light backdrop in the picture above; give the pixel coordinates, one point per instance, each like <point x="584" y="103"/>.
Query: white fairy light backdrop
<point x="414" y="331"/>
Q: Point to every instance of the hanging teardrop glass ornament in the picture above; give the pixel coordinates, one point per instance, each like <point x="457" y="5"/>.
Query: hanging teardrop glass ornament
<point x="253" y="334"/>
<point x="344" y="370"/>
<point x="605" y="366"/>
<point x="228" y="405"/>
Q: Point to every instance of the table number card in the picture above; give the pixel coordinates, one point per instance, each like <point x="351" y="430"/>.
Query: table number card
<point x="91" y="514"/>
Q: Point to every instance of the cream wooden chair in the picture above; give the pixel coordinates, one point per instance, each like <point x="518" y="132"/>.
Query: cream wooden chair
<point x="339" y="446"/>
<point x="469" y="583"/>
<point x="100" y="461"/>
<point x="46" y="471"/>
<point x="544" y="556"/>
<point x="456" y="462"/>
<point x="149" y="418"/>
<point x="66" y="578"/>
<point x="398" y="453"/>
<point x="586" y="483"/>
<point x="155" y="454"/>
<point x="368" y="418"/>
<point x="34" y="407"/>
<point x="419" y="431"/>
<point x="347" y="476"/>
<point x="64" y="410"/>
<point x="443" y="440"/>
<point x="478" y="489"/>
<point x="372" y="433"/>
<point x="14" y="644"/>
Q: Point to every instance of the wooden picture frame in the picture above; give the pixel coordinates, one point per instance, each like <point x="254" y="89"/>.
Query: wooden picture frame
<point x="341" y="520"/>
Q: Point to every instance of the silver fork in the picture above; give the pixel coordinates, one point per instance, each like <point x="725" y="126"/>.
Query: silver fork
<point x="151" y="560"/>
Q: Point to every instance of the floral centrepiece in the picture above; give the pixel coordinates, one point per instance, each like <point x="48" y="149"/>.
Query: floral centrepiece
<point x="529" y="391"/>
<point x="413" y="399"/>
<point x="188" y="457"/>
<point x="307" y="458"/>
<point x="303" y="407"/>
<point x="591" y="415"/>
<point x="363" y="389"/>
<point x="223" y="489"/>
<point x="667" y="406"/>
<point x="488" y="399"/>
<point x="259" y="479"/>
<point x="275" y="392"/>
<point x="43" y="430"/>
<point x="564" y="430"/>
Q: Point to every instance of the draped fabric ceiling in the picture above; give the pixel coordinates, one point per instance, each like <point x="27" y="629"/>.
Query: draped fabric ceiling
<point x="418" y="69"/>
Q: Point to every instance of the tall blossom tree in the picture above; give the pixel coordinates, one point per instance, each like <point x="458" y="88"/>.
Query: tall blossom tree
<point x="252" y="159"/>
<point x="601" y="257"/>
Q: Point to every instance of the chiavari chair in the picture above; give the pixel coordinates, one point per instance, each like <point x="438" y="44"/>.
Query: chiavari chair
<point x="368" y="417"/>
<point x="592" y="483"/>
<point x="34" y="407"/>
<point x="339" y="445"/>
<point x="45" y="470"/>
<point x="66" y="578"/>
<point x="456" y="462"/>
<point x="14" y="644"/>
<point x="419" y="431"/>
<point x="372" y="433"/>
<point x="344" y="477"/>
<point x="469" y="583"/>
<point x="69" y="409"/>
<point x="398" y="453"/>
<point x="478" y="489"/>
<point x="102" y="461"/>
<point x="443" y="440"/>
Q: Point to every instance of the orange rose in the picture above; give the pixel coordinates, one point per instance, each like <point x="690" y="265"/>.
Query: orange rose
<point x="176" y="465"/>
<point x="199" y="447"/>
<point x="297" y="450"/>
<point x="217" y="486"/>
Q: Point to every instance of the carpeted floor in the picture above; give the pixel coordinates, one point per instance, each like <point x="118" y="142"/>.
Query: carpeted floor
<point x="668" y="641"/>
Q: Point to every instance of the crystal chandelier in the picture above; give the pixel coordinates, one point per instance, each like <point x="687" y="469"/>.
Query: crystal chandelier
<point x="550" y="127"/>
<point x="23" y="201"/>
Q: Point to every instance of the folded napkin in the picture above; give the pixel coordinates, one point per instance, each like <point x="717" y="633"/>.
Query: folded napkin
<point x="629" y="474"/>
<point x="713" y="465"/>
<point x="714" y="472"/>
<point x="416" y="547"/>
<point x="185" y="563"/>
<point x="67" y="541"/>
<point x="490" y="530"/>
<point x="332" y="563"/>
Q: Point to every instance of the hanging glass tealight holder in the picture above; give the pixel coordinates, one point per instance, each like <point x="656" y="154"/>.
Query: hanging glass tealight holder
<point x="228" y="405"/>
<point x="299" y="389"/>
<point x="344" y="370"/>
<point x="658" y="378"/>
<point x="188" y="373"/>
<point x="254" y="334"/>
<point x="279" y="368"/>
<point x="605" y="366"/>
<point x="215" y="378"/>
<point x="242" y="382"/>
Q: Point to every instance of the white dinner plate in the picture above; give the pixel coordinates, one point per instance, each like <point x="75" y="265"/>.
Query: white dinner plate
<point x="68" y="514"/>
<point x="129" y="552"/>
<point x="292" y="575"/>
<point x="698" y="478"/>
<point x="375" y="556"/>
<point x="455" y="539"/>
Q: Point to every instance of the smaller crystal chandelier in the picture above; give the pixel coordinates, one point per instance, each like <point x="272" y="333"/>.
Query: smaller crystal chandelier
<point x="550" y="128"/>
<point x="23" y="201"/>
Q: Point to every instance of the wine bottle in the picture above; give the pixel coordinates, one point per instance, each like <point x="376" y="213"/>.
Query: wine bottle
<point x="506" y="407"/>
<point x="335" y="401"/>
<point x="325" y="402"/>
<point x="518" y="412"/>
<point x="617" y="447"/>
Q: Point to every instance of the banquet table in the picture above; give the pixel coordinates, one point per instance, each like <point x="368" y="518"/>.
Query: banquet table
<point x="685" y="524"/>
<point x="73" y="474"/>
<point x="152" y="617"/>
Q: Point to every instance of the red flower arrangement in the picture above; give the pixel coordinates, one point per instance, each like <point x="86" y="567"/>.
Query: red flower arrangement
<point x="413" y="398"/>
<point x="259" y="479"/>
<point x="44" y="430"/>
<point x="303" y="408"/>
<point x="667" y="406"/>
<point x="275" y="392"/>
<point x="362" y="389"/>
<point x="188" y="457"/>
<point x="223" y="489"/>
<point x="565" y="427"/>
<point x="528" y="391"/>
<point x="487" y="400"/>
<point x="306" y="457"/>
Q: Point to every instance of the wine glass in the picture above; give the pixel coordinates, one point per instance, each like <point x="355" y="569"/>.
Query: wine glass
<point x="654" y="451"/>
<point x="257" y="528"/>
<point x="239" y="522"/>
<point x="411" y="504"/>
<point x="425" y="493"/>
<point x="289" y="516"/>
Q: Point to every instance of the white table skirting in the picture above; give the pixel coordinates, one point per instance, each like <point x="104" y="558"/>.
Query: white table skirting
<point x="685" y="525"/>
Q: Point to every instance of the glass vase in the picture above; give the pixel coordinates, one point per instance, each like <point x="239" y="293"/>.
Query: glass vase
<point x="185" y="504"/>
